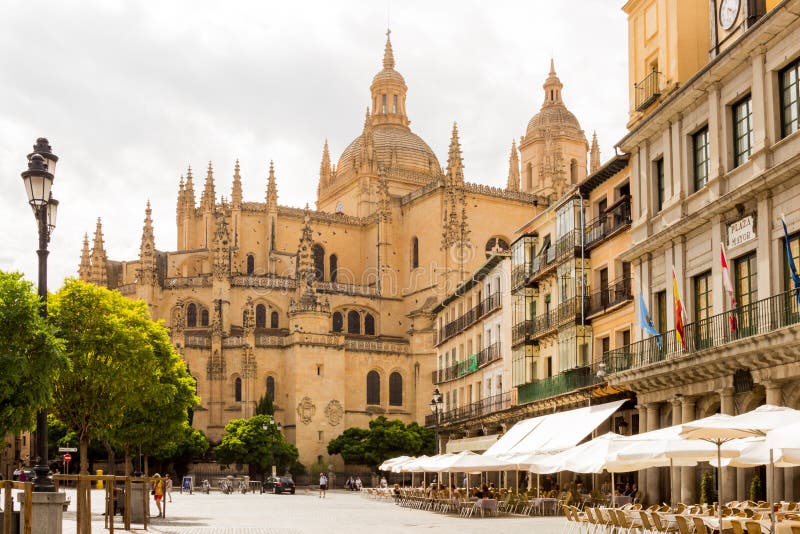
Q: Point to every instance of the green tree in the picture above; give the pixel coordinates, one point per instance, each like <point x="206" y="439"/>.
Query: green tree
<point x="265" y="406"/>
<point x="191" y="444"/>
<point x="30" y="355"/>
<point x="257" y="443"/>
<point x="108" y="340"/>
<point x="383" y="440"/>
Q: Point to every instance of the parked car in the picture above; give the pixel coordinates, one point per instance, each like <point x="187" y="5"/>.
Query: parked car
<point x="279" y="485"/>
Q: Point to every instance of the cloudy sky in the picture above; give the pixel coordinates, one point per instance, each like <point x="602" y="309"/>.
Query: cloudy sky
<point x="131" y="92"/>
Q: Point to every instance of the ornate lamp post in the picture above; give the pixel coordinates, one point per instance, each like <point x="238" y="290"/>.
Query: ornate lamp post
<point x="436" y="408"/>
<point x="38" y="181"/>
<point x="271" y="429"/>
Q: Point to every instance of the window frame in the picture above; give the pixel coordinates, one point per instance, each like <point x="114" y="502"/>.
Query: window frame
<point x="742" y="155"/>
<point x="792" y="125"/>
<point x="373" y="388"/>
<point x="395" y="389"/>
<point x="660" y="186"/>
<point x="701" y="150"/>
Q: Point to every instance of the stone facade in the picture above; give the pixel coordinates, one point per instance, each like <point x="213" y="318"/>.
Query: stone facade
<point x="714" y="166"/>
<point x="328" y="311"/>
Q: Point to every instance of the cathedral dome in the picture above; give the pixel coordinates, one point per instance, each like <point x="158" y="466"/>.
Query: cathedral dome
<point x="394" y="146"/>
<point x="554" y="115"/>
<point x="388" y="75"/>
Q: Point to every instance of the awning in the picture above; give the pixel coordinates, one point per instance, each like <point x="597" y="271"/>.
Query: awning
<point x="554" y="432"/>
<point x="474" y="444"/>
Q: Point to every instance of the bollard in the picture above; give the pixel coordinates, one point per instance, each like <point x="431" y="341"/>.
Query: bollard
<point x="99" y="484"/>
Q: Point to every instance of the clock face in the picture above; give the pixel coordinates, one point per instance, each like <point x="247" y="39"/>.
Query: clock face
<point x="728" y="11"/>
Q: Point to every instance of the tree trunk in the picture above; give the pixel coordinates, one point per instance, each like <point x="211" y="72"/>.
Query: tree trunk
<point x="112" y="459"/>
<point x="146" y="469"/>
<point x="84" y="514"/>
<point x="127" y="460"/>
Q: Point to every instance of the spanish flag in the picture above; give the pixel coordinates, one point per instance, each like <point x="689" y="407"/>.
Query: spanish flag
<point x="679" y="331"/>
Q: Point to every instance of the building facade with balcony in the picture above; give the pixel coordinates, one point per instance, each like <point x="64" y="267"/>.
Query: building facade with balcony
<point x="714" y="166"/>
<point x="473" y="354"/>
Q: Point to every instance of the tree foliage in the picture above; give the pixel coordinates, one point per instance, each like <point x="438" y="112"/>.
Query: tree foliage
<point x="265" y="406"/>
<point x="383" y="440"/>
<point x="29" y="355"/>
<point x="256" y="442"/>
<point x="124" y="378"/>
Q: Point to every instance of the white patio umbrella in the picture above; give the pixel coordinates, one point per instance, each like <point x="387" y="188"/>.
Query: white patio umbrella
<point x="388" y="464"/>
<point x="720" y="429"/>
<point x="755" y="452"/>
<point x="785" y="437"/>
<point x="469" y="462"/>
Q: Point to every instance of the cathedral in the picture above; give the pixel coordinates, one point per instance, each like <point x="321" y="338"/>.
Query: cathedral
<point x="328" y="311"/>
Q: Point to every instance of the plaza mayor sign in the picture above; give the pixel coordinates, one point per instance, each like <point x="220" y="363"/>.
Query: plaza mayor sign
<point x="741" y="231"/>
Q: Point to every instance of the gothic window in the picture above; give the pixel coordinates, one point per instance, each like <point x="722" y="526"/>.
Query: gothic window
<point x="261" y="316"/>
<point x="251" y="264"/>
<point x="204" y="318"/>
<point x="353" y="322"/>
<point x="414" y="252"/>
<point x="334" y="267"/>
<point x="338" y="322"/>
<point x="369" y="324"/>
<point x="191" y="315"/>
<point x="496" y="244"/>
<point x="573" y="171"/>
<point x="271" y="388"/>
<point x="395" y="389"/>
<point x="383" y="104"/>
<point x="394" y="104"/>
<point x="237" y="390"/>
<point x="373" y="388"/>
<point x="273" y="320"/>
<point x="319" y="262"/>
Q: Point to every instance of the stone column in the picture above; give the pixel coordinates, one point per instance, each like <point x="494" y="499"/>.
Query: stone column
<point x="675" y="472"/>
<point x="47" y="510"/>
<point x="775" y="397"/>
<point x="728" y="407"/>
<point x="642" y="474"/>
<point x="688" y="474"/>
<point x="653" y="474"/>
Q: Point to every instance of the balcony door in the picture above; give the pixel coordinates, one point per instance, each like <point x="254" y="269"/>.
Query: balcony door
<point x="604" y="287"/>
<point x="746" y="271"/>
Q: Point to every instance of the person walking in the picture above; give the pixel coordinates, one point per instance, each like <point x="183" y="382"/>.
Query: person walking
<point x="158" y="493"/>
<point x="323" y="485"/>
<point x="168" y="485"/>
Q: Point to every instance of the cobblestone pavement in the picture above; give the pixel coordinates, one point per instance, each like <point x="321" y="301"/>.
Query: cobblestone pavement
<point x="341" y="512"/>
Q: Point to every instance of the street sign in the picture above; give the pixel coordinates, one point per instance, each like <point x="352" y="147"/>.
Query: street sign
<point x="67" y="449"/>
<point x="68" y="457"/>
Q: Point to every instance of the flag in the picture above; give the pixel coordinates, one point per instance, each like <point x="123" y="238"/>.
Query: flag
<point x="646" y="322"/>
<point x="790" y="259"/>
<point x="680" y="334"/>
<point x="726" y="283"/>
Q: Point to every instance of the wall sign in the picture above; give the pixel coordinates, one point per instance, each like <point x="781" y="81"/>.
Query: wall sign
<point x="741" y="231"/>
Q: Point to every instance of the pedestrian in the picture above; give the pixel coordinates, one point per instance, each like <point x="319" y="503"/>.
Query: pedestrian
<point x="323" y="485"/>
<point x="158" y="493"/>
<point x="384" y="484"/>
<point x="358" y="483"/>
<point x="168" y="484"/>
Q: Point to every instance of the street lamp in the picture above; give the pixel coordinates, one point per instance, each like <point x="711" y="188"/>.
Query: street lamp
<point x="270" y="430"/>
<point x="38" y="181"/>
<point x="436" y="408"/>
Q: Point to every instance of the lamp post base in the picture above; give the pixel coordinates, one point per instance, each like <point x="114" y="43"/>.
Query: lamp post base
<point x="47" y="511"/>
<point x="43" y="483"/>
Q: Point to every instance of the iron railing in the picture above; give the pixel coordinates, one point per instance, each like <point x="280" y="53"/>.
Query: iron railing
<point x="469" y="365"/>
<point x="572" y="379"/>
<point x="617" y="292"/>
<point x="648" y="90"/>
<point x="566" y="312"/>
<point x="565" y="247"/>
<point x="760" y="317"/>
<point x="486" y="406"/>
<point x="608" y="223"/>
<point x="486" y="306"/>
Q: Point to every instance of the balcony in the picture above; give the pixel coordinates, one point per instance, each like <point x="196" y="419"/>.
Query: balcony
<point x="607" y="298"/>
<point x="648" y="90"/>
<point x="565" y="382"/>
<point x="608" y="224"/>
<point x="567" y="246"/>
<point x="472" y="316"/>
<point x="567" y="312"/>
<point x="480" y="408"/>
<point x="760" y="317"/>
<point x="468" y="365"/>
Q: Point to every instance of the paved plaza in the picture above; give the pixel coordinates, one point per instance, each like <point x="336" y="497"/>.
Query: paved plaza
<point x="340" y="512"/>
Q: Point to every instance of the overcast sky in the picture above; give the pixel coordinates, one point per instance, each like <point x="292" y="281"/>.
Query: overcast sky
<point x="131" y="92"/>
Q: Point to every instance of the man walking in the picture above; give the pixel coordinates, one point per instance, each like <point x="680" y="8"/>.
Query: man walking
<point x="323" y="485"/>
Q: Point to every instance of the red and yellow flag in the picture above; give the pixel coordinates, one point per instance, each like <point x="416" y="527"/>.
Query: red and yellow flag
<point x="679" y="331"/>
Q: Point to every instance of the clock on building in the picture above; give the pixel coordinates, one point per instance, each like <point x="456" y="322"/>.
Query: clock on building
<point x="728" y="11"/>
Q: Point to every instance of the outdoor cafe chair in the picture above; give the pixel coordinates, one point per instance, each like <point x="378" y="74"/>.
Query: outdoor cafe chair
<point x="661" y="526"/>
<point x="684" y="527"/>
<point x="626" y="522"/>
<point x="736" y="526"/>
<point x="699" y="526"/>
<point x="753" y="527"/>
<point x="647" y="524"/>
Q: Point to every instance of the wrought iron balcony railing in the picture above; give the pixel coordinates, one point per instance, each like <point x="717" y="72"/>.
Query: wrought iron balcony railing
<point x="570" y="380"/>
<point x="609" y="223"/>
<point x="760" y="317"/>
<point x="616" y="293"/>
<point x="648" y="90"/>
<point x="486" y="406"/>
<point x="468" y="365"/>
<point x="567" y="312"/>
<point x="488" y="305"/>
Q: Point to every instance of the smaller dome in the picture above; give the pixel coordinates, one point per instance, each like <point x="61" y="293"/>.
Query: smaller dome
<point x="552" y="117"/>
<point x="388" y="75"/>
